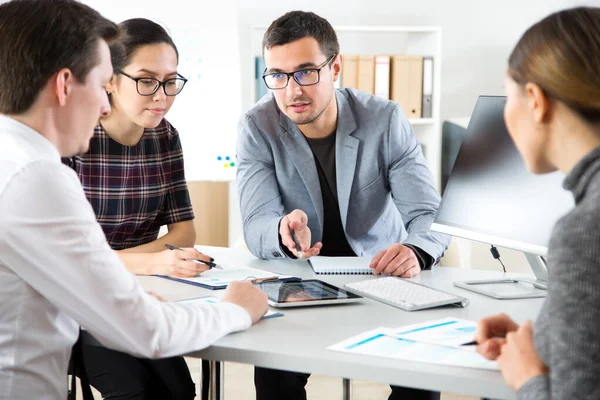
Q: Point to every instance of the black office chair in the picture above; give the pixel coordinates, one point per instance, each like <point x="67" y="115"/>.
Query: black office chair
<point x="77" y="370"/>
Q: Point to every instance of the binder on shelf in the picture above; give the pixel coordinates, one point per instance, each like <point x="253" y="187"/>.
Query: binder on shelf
<point x="349" y="71"/>
<point x="382" y="77"/>
<point x="260" y="87"/>
<point x="359" y="72"/>
<point x="366" y="74"/>
<point x="427" y="87"/>
<point x="407" y="84"/>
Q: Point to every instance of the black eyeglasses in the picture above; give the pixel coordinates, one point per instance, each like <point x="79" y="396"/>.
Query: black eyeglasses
<point x="303" y="77"/>
<point x="149" y="86"/>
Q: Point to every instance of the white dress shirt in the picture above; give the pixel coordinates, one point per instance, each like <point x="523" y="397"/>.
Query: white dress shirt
<point x="58" y="272"/>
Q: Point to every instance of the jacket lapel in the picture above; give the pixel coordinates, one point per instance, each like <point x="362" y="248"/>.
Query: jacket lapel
<point x="301" y="155"/>
<point x="346" y="153"/>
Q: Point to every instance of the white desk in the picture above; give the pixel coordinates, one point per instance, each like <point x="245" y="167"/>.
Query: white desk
<point x="298" y="341"/>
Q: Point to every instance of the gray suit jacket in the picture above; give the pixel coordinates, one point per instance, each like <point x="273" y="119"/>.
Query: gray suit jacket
<point x="386" y="193"/>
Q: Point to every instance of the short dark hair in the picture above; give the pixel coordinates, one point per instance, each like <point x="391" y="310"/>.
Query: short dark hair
<point x="561" y="54"/>
<point x="296" y="25"/>
<point x="39" y="38"/>
<point x="136" y="33"/>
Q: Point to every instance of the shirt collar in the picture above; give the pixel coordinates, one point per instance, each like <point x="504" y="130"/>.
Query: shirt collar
<point x="28" y="139"/>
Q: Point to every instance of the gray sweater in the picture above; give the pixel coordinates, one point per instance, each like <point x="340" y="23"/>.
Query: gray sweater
<point x="567" y="336"/>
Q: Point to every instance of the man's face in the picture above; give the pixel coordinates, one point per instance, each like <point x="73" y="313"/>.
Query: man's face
<point x="302" y="104"/>
<point x="87" y="101"/>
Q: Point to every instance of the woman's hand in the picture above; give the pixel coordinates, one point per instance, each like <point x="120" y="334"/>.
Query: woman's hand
<point x="178" y="263"/>
<point x="518" y="360"/>
<point x="491" y="332"/>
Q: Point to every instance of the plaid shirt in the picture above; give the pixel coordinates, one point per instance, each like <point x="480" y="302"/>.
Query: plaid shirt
<point x="134" y="190"/>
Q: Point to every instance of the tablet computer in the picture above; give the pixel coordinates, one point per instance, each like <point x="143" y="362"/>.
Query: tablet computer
<point x="310" y="292"/>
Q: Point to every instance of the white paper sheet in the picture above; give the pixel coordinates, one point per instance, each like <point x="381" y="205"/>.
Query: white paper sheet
<point x="382" y="342"/>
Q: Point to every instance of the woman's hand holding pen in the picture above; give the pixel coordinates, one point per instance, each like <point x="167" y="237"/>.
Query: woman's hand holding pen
<point x="500" y="338"/>
<point x="491" y="333"/>
<point x="518" y="360"/>
<point x="177" y="263"/>
<point x="296" y="224"/>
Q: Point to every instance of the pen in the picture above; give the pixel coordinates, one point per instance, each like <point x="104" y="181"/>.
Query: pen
<point x="471" y="343"/>
<point x="261" y="280"/>
<point x="210" y="264"/>
<point x="298" y="247"/>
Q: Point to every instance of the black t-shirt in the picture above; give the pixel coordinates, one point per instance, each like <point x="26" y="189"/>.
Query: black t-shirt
<point x="334" y="239"/>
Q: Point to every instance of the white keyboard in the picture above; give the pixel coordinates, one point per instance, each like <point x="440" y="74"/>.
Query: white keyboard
<point x="404" y="294"/>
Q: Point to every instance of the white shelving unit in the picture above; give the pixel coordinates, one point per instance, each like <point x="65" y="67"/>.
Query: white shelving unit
<point x="374" y="40"/>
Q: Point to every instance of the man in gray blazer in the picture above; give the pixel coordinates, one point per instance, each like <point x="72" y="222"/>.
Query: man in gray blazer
<point x="341" y="168"/>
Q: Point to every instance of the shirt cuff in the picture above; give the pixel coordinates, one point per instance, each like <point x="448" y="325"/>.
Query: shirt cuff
<point x="425" y="260"/>
<point x="537" y="388"/>
<point x="239" y="317"/>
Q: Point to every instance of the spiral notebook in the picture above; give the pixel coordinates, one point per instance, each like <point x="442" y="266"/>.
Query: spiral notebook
<point x="341" y="265"/>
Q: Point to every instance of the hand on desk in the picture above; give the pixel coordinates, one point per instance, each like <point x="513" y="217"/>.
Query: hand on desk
<point x="175" y="263"/>
<point x="397" y="260"/>
<point x="248" y="296"/>
<point x="298" y="221"/>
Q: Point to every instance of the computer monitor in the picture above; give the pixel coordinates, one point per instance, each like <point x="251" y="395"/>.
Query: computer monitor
<point x="492" y="198"/>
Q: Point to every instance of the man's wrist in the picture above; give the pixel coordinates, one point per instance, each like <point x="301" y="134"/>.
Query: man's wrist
<point x="425" y="260"/>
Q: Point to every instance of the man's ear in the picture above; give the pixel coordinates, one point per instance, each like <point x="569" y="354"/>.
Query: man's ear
<point x="336" y="67"/>
<point x="64" y="82"/>
<point x="538" y="102"/>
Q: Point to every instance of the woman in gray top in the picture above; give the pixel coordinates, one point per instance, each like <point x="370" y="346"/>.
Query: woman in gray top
<point x="553" y="115"/>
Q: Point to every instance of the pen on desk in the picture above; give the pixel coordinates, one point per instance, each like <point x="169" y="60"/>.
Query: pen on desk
<point x="296" y="242"/>
<point x="261" y="280"/>
<point x="210" y="264"/>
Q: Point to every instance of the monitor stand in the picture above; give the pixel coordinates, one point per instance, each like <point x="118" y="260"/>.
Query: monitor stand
<point x="513" y="288"/>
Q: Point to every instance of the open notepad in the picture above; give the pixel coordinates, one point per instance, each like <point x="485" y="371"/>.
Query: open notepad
<point x="340" y="265"/>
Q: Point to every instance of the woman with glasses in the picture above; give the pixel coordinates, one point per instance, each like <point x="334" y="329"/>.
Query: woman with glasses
<point x="133" y="177"/>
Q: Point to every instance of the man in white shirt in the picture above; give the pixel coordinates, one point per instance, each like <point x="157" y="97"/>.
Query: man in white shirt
<point x="57" y="271"/>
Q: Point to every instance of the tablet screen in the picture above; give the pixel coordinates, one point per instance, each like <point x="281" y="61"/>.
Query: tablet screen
<point x="303" y="291"/>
